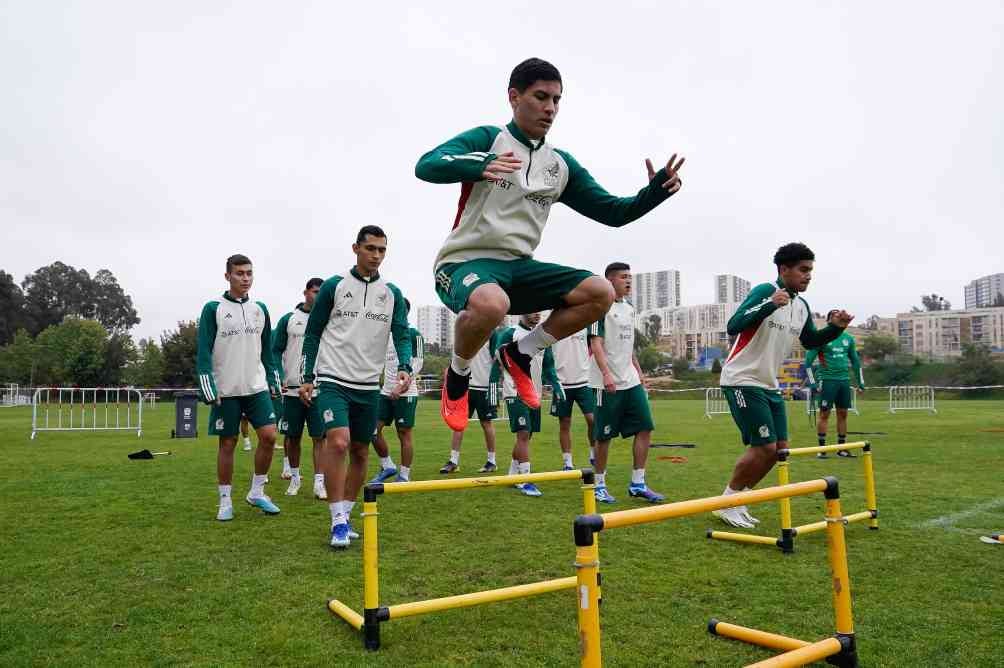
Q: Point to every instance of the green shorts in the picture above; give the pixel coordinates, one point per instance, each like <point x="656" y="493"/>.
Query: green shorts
<point x="834" y="393"/>
<point x="225" y="417"/>
<point x="585" y="397"/>
<point x="400" y="411"/>
<point x="295" y="415"/>
<point x="531" y="285"/>
<point x="624" y="412"/>
<point x="758" y="413"/>
<point x="521" y="416"/>
<point x="341" y="406"/>
<point x="480" y="402"/>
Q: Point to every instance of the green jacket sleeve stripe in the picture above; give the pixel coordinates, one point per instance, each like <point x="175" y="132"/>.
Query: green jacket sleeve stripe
<point x="204" y="352"/>
<point x="271" y="373"/>
<point x="753" y="310"/>
<point x="320" y="313"/>
<point x="280" y="338"/>
<point x="460" y="159"/>
<point x="852" y="355"/>
<point x="399" y="330"/>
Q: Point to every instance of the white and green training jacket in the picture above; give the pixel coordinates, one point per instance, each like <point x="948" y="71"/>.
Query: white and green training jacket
<point x="348" y="329"/>
<point x="287" y="348"/>
<point x="234" y="356"/>
<point x="764" y="335"/>
<point x="572" y="360"/>
<point x="505" y="219"/>
<point x="616" y="329"/>
<point x="391" y="364"/>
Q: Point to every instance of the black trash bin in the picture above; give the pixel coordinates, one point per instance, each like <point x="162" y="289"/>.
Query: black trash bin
<point x="186" y="415"/>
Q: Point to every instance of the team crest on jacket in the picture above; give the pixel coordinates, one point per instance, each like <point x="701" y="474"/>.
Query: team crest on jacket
<point x="551" y="173"/>
<point x="764" y="431"/>
<point x="382" y="299"/>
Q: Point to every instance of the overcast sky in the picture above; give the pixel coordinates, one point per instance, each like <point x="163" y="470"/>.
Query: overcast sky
<point x="155" y="139"/>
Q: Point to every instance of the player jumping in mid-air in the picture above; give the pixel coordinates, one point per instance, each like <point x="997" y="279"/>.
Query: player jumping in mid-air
<point x="287" y="351"/>
<point x="616" y="378"/>
<point x="572" y="362"/>
<point x="836" y="359"/>
<point x="237" y="377"/>
<point x="524" y="421"/>
<point x="766" y="325"/>
<point x="398" y="408"/>
<point x="485" y="269"/>
<point x="482" y="401"/>
<point x="344" y="349"/>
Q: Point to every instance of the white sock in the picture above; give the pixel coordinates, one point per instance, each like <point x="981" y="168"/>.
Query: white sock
<point x="258" y="485"/>
<point x="455" y="457"/>
<point x="404" y="472"/>
<point x="513" y="467"/>
<point x="337" y="517"/>
<point x="592" y="453"/>
<point x="247" y="440"/>
<point x="225" y="495"/>
<point x="318" y="478"/>
<point x="728" y="491"/>
<point x="386" y="462"/>
<point x="637" y="476"/>
<point x="491" y="457"/>
<point x="601" y="479"/>
<point x="460" y="365"/>
<point x="524" y="467"/>
<point x="295" y="472"/>
<point x="566" y="458"/>
<point x="538" y="339"/>
<point x="285" y="463"/>
<point x="347" y="507"/>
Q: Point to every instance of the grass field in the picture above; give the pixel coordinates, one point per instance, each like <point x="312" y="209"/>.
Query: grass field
<point x="108" y="561"/>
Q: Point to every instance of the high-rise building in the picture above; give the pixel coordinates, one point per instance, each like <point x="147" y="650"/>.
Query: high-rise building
<point x="436" y="325"/>
<point x="691" y="330"/>
<point x="655" y="289"/>
<point x="730" y="289"/>
<point x="985" y="291"/>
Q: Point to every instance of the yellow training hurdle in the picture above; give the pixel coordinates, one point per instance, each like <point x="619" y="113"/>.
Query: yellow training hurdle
<point x="788" y="533"/>
<point x="374" y="613"/>
<point x="841" y="649"/>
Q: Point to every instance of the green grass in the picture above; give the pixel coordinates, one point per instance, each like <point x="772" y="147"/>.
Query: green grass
<point x="108" y="561"/>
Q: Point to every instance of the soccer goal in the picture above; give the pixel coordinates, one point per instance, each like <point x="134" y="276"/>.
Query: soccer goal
<point x="715" y="403"/>
<point x="911" y="398"/>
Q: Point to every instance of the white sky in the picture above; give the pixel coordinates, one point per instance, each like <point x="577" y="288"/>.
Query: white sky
<point x="155" y="139"/>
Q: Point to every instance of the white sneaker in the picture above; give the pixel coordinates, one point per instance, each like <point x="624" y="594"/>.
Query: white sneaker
<point x="294" y="487"/>
<point x="732" y="517"/>
<point x="225" y="512"/>
<point x="286" y="474"/>
<point x="320" y="492"/>
<point x="247" y="445"/>
<point x="746" y="515"/>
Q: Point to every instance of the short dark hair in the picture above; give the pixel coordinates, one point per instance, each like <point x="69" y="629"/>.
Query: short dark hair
<point x="371" y="230"/>
<point x="532" y="70"/>
<point x="615" y="267"/>
<point x="829" y="314"/>
<point x="314" y="283"/>
<point x="791" y="254"/>
<point x="237" y="259"/>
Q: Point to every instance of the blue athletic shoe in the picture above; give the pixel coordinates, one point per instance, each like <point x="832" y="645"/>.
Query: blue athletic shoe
<point x="602" y="495"/>
<point x="643" y="492"/>
<point x="225" y="513"/>
<point x="264" y="503"/>
<point x="567" y="468"/>
<point x="529" y="489"/>
<point x="353" y="534"/>
<point x="340" y="536"/>
<point x="384" y="475"/>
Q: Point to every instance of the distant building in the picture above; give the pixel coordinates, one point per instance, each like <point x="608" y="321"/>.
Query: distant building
<point x="436" y="325"/>
<point x="691" y="330"/>
<point x="984" y="291"/>
<point x="729" y="289"/>
<point x="655" y="289"/>
<point x="941" y="334"/>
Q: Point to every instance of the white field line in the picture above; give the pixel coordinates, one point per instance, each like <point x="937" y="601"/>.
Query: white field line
<point x="947" y="521"/>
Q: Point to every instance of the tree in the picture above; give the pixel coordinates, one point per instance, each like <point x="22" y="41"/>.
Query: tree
<point x="12" y="313"/>
<point x="716" y="366"/>
<point x="640" y="340"/>
<point x="681" y="367"/>
<point x="147" y="368"/>
<point x="879" y="346"/>
<point x="976" y="367"/>
<point x="179" y="348"/>
<point x="649" y="358"/>
<point x="120" y="353"/>
<point x="57" y="291"/>
<point x="653" y="327"/>
<point x="933" y="302"/>
<point x="18" y="358"/>
<point x="76" y="350"/>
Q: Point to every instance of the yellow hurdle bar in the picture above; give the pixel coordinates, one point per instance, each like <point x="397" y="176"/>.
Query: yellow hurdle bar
<point x="476" y="598"/>
<point x="625" y="518"/>
<point x="813" y="527"/>
<point x="755" y="636"/>
<point x="857" y="445"/>
<point x="485" y="481"/>
<point x="742" y="537"/>
<point x="802" y="656"/>
<point x="837" y="549"/>
<point x="587" y="566"/>
<point x="866" y="464"/>
<point x="354" y="619"/>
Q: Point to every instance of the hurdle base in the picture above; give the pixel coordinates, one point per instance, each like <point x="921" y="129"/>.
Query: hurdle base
<point x="351" y="617"/>
<point x="839" y="650"/>
<point x="744" y="538"/>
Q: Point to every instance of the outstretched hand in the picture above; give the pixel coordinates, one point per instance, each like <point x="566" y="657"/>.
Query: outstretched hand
<point x="673" y="182"/>
<point x="505" y="163"/>
<point x="841" y="319"/>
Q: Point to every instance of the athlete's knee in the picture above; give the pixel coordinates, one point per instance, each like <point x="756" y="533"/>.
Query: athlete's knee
<point x="336" y="443"/>
<point x="228" y="443"/>
<point x="488" y="302"/>
<point x="359" y="449"/>
<point x="841" y="412"/>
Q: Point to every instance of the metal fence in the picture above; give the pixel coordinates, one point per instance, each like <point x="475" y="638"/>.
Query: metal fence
<point x="86" y="409"/>
<point x="911" y="398"/>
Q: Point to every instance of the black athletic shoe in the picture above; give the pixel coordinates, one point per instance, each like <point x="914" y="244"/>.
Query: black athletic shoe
<point x="448" y="467"/>
<point x="456" y="385"/>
